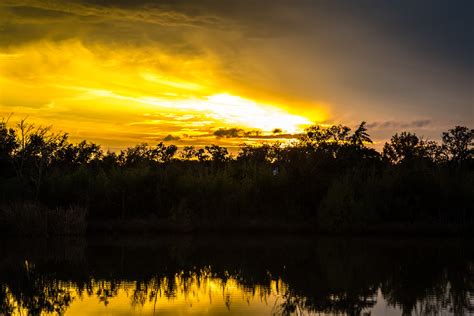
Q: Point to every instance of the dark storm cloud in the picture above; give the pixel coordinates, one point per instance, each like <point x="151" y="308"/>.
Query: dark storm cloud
<point x="441" y="29"/>
<point x="170" y="138"/>
<point x="229" y="133"/>
<point x="394" y="125"/>
<point x="235" y="132"/>
<point x="101" y="22"/>
<point x="139" y="11"/>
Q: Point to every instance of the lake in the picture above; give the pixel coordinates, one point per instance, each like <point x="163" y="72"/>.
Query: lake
<point x="236" y="275"/>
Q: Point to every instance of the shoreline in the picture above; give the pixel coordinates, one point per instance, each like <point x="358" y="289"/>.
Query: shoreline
<point x="157" y="227"/>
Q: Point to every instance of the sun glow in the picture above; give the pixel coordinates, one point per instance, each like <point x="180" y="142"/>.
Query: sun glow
<point x="227" y="109"/>
<point x="235" y="111"/>
<point x="240" y="111"/>
<point x="122" y="97"/>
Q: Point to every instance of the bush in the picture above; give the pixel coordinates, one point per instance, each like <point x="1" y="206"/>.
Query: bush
<point x="30" y="219"/>
<point x="23" y="219"/>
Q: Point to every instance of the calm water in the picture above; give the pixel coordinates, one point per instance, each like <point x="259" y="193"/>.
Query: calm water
<point x="236" y="275"/>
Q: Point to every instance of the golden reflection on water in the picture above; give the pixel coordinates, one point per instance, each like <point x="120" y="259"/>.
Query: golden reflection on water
<point x="186" y="294"/>
<point x="338" y="277"/>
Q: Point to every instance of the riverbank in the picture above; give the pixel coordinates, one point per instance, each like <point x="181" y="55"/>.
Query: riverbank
<point x="156" y="226"/>
<point x="30" y="219"/>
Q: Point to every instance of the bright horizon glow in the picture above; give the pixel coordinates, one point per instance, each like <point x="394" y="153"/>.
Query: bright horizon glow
<point x="249" y="113"/>
<point x="236" y="111"/>
<point x="123" y="97"/>
<point x="233" y="111"/>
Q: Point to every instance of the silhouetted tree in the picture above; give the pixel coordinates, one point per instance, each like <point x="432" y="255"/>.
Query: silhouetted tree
<point x="360" y="136"/>
<point x="188" y="153"/>
<point x="459" y="143"/>
<point x="317" y="135"/>
<point x="256" y="153"/>
<point x="165" y="153"/>
<point x="408" y="147"/>
<point x="217" y="153"/>
<point x="8" y="145"/>
<point x="201" y="155"/>
<point x="81" y="154"/>
<point x="135" y="155"/>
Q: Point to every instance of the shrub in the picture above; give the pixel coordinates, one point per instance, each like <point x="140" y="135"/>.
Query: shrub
<point x="31" y="219"/>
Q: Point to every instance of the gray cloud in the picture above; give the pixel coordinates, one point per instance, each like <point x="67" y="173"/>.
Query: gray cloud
<point x="229" y="133"/>
<point x="250" y="134"/>
<point x="134" y="11"/>
<point x="170" y="138"/>
<point x="143" y="24"/>
<point x="397" y="124"/>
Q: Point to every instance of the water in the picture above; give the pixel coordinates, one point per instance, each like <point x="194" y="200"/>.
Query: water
<point x="236" y="275"/>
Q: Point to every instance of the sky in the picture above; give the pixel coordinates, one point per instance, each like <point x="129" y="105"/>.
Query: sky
<point x="123" y="72"/>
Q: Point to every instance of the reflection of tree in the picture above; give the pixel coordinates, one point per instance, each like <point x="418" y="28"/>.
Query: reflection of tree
<point x="7" y="305"/>
<point x="191" y="285"/>
<point x="424" y="292"/>
<point x="461" y="290"/>
<point x="334" y="304"/>
<point x="105" y="290"/>
<point x="290" y="304"/>
<point x="336" y="276"/>
<point x="36" y="294"/>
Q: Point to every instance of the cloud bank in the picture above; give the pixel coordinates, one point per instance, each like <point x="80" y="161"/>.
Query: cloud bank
<point x="120" y="72"/>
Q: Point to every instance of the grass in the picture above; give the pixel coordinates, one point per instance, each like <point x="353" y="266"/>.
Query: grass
<point x="32" y="219"/>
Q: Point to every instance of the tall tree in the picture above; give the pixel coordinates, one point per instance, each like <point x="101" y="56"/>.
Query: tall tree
<point x="459" y="143"/>
<point x="360" y="136"/>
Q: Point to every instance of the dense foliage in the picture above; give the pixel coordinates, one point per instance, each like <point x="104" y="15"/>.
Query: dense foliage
<point x="329" y="179"/>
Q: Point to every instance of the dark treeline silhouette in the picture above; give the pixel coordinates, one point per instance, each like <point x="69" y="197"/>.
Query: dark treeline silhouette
<point x="327" y="180"/>
<point x="340" y="276"/>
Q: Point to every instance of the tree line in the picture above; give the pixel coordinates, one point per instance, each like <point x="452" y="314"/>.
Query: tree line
<point x="327" y="179"/>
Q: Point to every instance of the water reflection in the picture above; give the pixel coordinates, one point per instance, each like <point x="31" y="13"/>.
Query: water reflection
<point x="235" y="276"/>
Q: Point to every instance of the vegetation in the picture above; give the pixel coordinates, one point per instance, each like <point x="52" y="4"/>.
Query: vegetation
<point x="327" y="180"/>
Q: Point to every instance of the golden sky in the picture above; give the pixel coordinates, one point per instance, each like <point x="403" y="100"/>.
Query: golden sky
<point x="124" y="72"/>
<point x="128" y="95"/>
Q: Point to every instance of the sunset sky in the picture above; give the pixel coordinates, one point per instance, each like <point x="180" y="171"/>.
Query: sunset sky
<point x="129" y="71"/>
